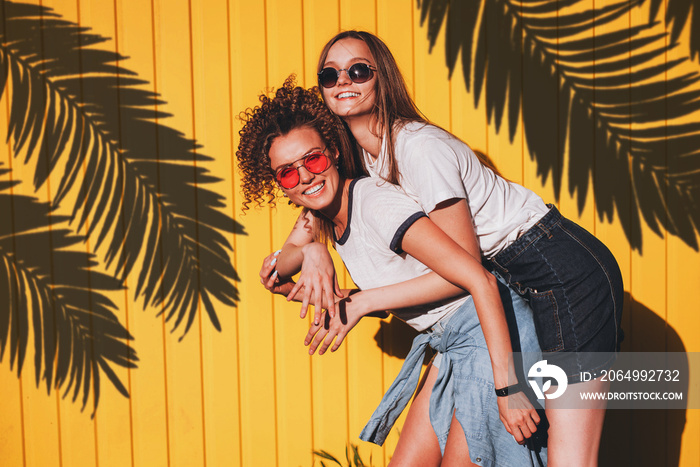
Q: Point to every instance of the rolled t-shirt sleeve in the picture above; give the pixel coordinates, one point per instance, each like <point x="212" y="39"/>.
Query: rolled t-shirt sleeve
<point x="433" y="171"/>
<point x="388" y="213"/>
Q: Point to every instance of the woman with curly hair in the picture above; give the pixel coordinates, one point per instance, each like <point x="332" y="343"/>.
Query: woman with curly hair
<point x="293" y="143"/>
<point x="569" y="278"/>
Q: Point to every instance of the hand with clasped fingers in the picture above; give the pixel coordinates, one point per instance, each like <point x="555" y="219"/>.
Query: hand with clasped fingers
<point x="317" y="281"/>
<point x="350" y="311"/>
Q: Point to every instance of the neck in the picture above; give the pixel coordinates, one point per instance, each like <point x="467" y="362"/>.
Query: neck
<point x="337" y="211"/>
<point x="366" y="131"/>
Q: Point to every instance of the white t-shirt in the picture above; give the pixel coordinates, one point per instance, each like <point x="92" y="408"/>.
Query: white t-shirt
<point x="379" y="214"/>
<point x="435" y="166"/>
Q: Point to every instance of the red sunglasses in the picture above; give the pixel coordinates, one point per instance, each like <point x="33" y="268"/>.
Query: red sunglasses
<point x="316" y="162"/>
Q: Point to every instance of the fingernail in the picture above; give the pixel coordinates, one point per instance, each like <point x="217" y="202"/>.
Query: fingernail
<point x="276" y="253"/>
<point x="315" y="323"/>
<point x="274" y="274"/>
<point x="272" y="263"/>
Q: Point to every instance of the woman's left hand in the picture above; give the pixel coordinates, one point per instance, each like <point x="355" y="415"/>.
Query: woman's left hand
<point x="349" y="312"/>
<point x="518" y="415"/>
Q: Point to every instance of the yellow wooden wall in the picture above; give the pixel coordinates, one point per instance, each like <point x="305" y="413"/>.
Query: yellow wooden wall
<point x="250" y="395"/>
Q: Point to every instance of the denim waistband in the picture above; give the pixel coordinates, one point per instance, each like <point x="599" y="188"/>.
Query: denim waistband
<point x="437" y="329"/>
<point x="541" y="227"/>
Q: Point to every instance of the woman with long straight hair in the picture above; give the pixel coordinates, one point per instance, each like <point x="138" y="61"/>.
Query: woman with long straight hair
<point x="569" y="278"/>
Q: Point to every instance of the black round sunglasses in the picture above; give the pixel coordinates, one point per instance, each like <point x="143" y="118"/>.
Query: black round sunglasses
<point x="358" y="73"/>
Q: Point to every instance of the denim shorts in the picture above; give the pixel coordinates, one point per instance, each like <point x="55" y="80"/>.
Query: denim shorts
<point x="574" y="287"/>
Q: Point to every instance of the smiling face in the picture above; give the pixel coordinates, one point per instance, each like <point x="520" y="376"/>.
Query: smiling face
<point x="314" y="191"/>
<point x="348" y="99"/>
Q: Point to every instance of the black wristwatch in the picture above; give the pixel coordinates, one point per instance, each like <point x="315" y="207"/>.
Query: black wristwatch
<point x="509" y="390"/>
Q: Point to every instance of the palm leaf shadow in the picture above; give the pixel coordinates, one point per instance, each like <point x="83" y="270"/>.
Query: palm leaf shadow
<point x="678" y="13"/>
<point x="604" y="97"/>
<point x="141" y="186"/>
<point x="45" y="280"/>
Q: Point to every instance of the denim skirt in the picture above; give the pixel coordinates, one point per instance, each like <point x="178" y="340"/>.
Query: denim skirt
<point x="574" y="287"/>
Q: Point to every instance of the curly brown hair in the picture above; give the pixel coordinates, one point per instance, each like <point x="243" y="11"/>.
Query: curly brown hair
<point x="291" y="107"/>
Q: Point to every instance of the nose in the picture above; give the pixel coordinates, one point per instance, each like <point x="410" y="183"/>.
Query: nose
<point x="305" y="177"/>
<point x="343" y="77"/>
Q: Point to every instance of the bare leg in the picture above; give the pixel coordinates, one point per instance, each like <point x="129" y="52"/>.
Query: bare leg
<point x="456" y="448"/>
<point x="574" y="433"/>
<point x="418" y="445"/>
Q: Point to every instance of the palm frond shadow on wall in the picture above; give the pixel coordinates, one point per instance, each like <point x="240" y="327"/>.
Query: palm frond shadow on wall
<point x="142" y="192"/>
<point x="611" y="99"/>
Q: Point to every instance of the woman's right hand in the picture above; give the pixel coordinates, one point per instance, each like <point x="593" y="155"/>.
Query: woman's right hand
<point x="518" y="416"/>
<point x="317" y="280"/>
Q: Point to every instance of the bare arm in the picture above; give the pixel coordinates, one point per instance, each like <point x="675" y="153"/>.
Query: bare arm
<point x="426" y="242"/>
<point x="320" y="278"/>
<point x="317" y="283"/>
<point x="454" y="218"/>
<point x="290" y="259"/>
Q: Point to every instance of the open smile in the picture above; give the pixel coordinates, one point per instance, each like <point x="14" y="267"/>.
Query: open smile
<point x="345" y="95"/>
<point x="315" y="189"/>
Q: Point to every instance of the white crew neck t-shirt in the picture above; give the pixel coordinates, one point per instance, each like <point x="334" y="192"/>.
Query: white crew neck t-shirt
<point x="435" y="166"/>
<point x="379" y="214"/>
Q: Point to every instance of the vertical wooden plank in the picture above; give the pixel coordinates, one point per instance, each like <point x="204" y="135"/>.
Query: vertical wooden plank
<point x="256" y="338"/>
<point x="431" y="95"/>
<point x="645" y="288"/>
<point x="397" y="26"/>
<point x="12" y="437"/>
<point x="41" y="417"/>
<point x="12" y="433"/>
<point x="498" y="141"/>
<point x="649" y="298"/>
<point x="618" y="439"/>
<point x="150" y="422"/>
<point x="321" y="22"/>
<point x="468" y="121"/>
<point x="682" y="279"/>
<point x="358" y="14"/>
<point x="584" y="167"/>
<point x="112" y="424"/>
<point x="540" y="116"/>
<point x="213" y="126"/>
<point x="683" y="328"/>
<point x="173" y="57"/>
<point x="285" y="41"/>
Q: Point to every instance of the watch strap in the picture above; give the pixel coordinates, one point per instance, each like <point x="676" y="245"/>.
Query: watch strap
<point x="509" y="390"/>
